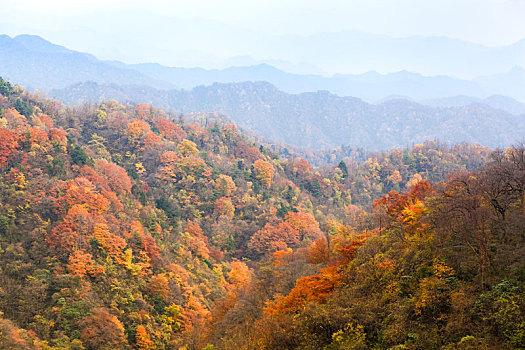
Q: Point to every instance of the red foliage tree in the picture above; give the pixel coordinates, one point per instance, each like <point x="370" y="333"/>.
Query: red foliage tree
<point x="198" y="243"/>
<point x="302" y="167"/>
<point x="318" y="252"/>
<point x="81" y="264"/>
<point x="111" y="243"/>
<point x="38" y="137"/>
<point x="151" y="248"/>
<point x="47" y="121"/>
<point x="405" y="210"/>
<point x="244" y="151"/>
<point x="307" y="289"/>
<point x="143" y="111"/>
<point x="14" y="338"/>
<point x="116" y="176"/>
<point x="170" y="130"/>
<point x="152" y="141"/>
<point x="101" y="330"/>
<point x="142" y="340"/>
<point x="73" y="232"/>
<point x="305" y="224"/>
<point x="159" y="286"/>
<point x="8" y="144"/>
<point x="393" y="202"/>
<point x="82" y="192"/>
<point x="347" y="252"/>
<point x="58" y="135"/>
<point x="15" y="120"/>
<point x="273" y="238"/>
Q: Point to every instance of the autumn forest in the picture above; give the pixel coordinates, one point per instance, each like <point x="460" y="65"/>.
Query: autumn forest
<point x="127" y="227"/>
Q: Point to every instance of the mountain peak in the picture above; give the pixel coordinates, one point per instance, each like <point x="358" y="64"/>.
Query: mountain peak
<point x="37" y="43"/>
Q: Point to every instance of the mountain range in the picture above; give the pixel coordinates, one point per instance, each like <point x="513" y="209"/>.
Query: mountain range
<point x="37" y="63"/>
<point x="495" y="101"/>
<point x="304" y="110"/>
<point x="320" y="119"/>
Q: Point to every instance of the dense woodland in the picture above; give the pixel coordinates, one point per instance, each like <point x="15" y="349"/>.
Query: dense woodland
<point x="123" y="228"/>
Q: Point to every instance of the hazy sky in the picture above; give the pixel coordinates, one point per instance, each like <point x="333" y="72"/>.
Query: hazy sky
<point x="490" y="22"/>
<point x="155" y="30"/>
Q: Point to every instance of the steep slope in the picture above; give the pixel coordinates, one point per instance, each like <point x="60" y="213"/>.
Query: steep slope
<point x="433" y="271"/>
<point x="121" y="228"/>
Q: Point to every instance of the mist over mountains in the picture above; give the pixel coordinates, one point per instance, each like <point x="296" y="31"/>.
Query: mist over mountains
<point x="35" y="62"/>
<point x="496" y="101"/>
<point x="305" y="110"/>
<point x="192" y="42"/>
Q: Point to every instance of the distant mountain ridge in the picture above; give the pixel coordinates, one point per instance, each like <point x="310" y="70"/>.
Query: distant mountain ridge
<point x="495" y="101"/>
<point x="212" y="44"/>
<point x="369" y="86"/>
<point x="337" y="51"/>
<point x="283" y="109"/>
<point x="321" y="119"/>
<point x="36" y="63"/>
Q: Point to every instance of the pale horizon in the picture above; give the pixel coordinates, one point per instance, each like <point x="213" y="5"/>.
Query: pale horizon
<point x="210" y="33"/>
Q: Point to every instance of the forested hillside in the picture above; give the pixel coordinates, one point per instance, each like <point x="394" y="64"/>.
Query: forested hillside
<point x="124" y="228"/>
<point x="321" y="119"/>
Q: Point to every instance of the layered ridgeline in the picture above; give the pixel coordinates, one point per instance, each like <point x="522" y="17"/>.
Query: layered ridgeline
<point x="123" y="228"/>
<point x="321" y="119"/>
<point x="287" y="107"/>
<point x="35" y="62"/>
